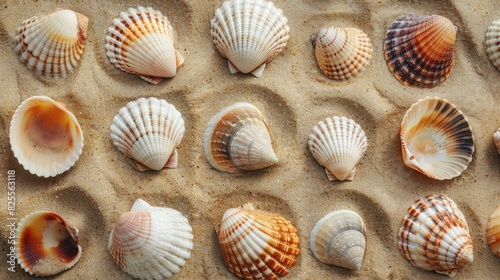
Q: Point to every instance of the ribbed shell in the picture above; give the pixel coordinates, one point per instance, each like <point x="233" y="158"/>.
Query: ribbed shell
<point x="419" y="49"/>
<point x="436" y="139"/>
<point x="496" y="139"/>
<point x="148" y="130"/>
<point x="339" y="238"/>
<point x="52" y="44"/>
<point x="493" y="232"/>
<point x="45" y="137"/>
<point x="493" y="43"/>
<point x="435" y="236"/>
<point x="256" y="244"/>
<point x="150" y="242"/>
<point x="338" y="144"/>
<point x="46" y="244"/>
<point x="141" y="42"/>
<point x="249" y="33"/>
<point x="342" y="53"/>
<point x="237" y="139"/>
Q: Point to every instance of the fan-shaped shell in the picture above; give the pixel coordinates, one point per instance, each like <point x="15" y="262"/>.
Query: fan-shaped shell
<point x="493" y="232"/>
<point x="339" y="238"/>
<point x="45" y="137"/>
<point x="256" y="244"/>
<point x="435" y="236"/>
<point x="342" y="53"/>
<point x="141" y="42"/>
<point x="148" y="130"/>
<point x="52" y="44"/>
<point x="237" y="139"/>
<point x="493" y="43"/>
<point x="150" y="242"/>
<point x="338" y="143"/>
<point x="419" y="49"/>
<point x="249" y="33"/>
<point x="46" y="244"/>
<point x="496" y="139"/>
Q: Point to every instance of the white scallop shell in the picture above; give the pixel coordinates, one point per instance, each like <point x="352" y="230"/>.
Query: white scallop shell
<point x="249" y="33"/>
<point x="493" y="43"/>
<point x="148" y="130"/>
<point x="496" y="139"/>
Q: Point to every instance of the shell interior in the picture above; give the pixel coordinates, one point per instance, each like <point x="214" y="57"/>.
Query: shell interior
<point x="493" y="43"/>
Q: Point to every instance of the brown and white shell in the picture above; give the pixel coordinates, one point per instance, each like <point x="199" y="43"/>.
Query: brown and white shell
<point x="493" y="232"/>
<point x="493" y="43"/>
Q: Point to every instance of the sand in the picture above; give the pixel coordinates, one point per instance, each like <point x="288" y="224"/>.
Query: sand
<point x="293" y="95"/>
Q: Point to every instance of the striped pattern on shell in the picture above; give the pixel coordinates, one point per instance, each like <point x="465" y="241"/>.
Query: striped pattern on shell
<point x="493" y="43"/>
<point x="493" y="232"/>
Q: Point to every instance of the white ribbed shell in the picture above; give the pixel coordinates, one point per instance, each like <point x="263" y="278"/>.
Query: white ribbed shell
<point x="493" y="43"/>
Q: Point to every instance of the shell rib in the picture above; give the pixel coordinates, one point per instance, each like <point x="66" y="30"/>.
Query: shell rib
<point x="339" y="238"/>
<point x="435" y="236"/>
<point x="237" y="140"/>
<point x="148" y="130"/>
<point x="436" y="139"/>
<point x="249" y="33"/>
<point x="141" y="42"/>
<point x="151" y="242"/>
<point x="52" y="44"/>
<point x="496" y="139"/>
<point x="338" y="143"/>
<point x="493" y="43"/>
<point x="256" y="244"/>
<point x="419" y="49"/>
<point x="342" y="53"/>
<point x="493" y="232"/>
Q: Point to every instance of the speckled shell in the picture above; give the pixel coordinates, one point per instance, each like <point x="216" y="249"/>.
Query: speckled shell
<point x="46" y="244"/>
<point x="341" y="53"/>
<point x="141" y="42"/>
<point x="436" y="139"/>
<point x="493" y="43"/>
<point x="249" y="33"/>
<point x="256" y="244"/>
<point x="493" y="232"/>
<point x="148" y="130"/>
<point x="496" y="139"/>
<point x="435" y="236"/>
<point x="52" y="44"/>
<point x="419" y="49"/>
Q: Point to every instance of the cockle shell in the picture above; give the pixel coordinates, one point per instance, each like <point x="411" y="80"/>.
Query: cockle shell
<point x="338" y="144"/>
<point x="249" y="33"/>
<point x="496" y="139"/>
<point x="141" y="42"/>
<point x="419" y="49"/>
<point x="45" y="137"/>
<point x="436" y="139"/>
<point x="339" y="238"/>
<point x="46" y="244"/>
<point x="341" y="53"/>
<point x="237" y="140"/>
<point x="435" y="236"/>
<point x="52" y="44"/>
<point x="151" y="242"/>
<point x="493" y="43"/>
<point x="148" y="130"/>
<point x="493" y="232"/>
<point x="256" y="244"/>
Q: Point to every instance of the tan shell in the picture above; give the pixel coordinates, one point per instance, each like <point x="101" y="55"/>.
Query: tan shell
<point x="493" y="43"/>
<point x="493" y="232"/>
<point x="496" y="139"/>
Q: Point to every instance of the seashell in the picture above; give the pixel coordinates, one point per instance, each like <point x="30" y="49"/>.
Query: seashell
<point x="342" y="53"/>
<point x="493" y="232"/>
<point x="436" y="139"/>
<point x="249" y="33"/>
<point x="256" y="244"/>
<point x="339" y="238"/>
<point x="237" y="140"/>
<point x="338" y="144"/>
<point x="496" y="139"/>
<point x="45" y="137"/>
<point x="141" y="42"/>
<point x="150" y="242"/>
<point x="46" y="244"/>
<point x="493" y="43"/>
<point x="52" y="44"/>
<point x="419" y="49"/>
<point x="148" y="130"/>
<point x="435" y="236"/>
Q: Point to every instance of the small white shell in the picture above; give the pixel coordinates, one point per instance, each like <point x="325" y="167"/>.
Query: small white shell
<point x="496" y="139"/>
<point x="493" y="43"/>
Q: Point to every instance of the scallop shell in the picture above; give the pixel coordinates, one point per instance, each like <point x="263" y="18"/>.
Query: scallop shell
<point x="436" y="139"/>
<point x="46" y="244"/>
<point x="493" y="232"/>
<point x="52" y="44"/>
<point x="148" y="130"/>
<point x="237" y="140"/>
<point x="496" y="139"/>
<point x="493" y="43"/>
<point x="419" y="49"/>
<point x="342" y="53"/>
<point x="256" y="244"/>
<point x="339" y="238"/>
<point x="338" y="144"/>
<point x="45" y="137"/>
<point x="435" y="236"/>
<point x="249" y="33"/>
<point x="151" y="242"/>
<point x="141" y="42"/>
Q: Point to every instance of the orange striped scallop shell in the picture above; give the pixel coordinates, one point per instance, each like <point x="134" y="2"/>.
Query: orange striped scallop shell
<point x="493" y="232"/>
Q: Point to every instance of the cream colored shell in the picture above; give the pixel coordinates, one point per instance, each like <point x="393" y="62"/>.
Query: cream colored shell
<point x="493" y="43"/>
<point x="493" y="232"/>
<point x="496" y="139"/>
